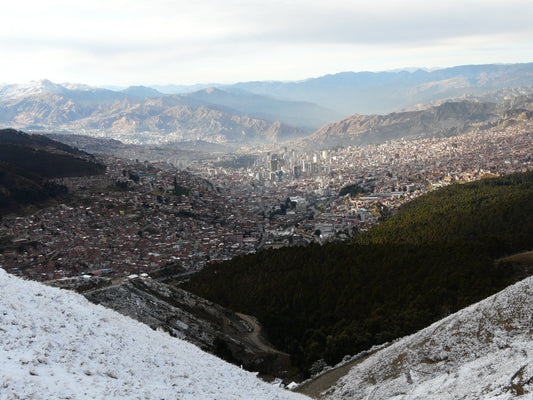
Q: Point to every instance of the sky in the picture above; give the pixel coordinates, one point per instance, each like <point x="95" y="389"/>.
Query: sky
<point x="140" y="42"/>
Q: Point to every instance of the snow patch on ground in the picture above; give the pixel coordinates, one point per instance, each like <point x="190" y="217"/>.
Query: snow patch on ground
<point x="482" y="352"/>
<point x="54" y="344"/>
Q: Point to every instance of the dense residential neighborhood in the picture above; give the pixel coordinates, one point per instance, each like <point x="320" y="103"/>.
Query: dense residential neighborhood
<point x="327" y="200"/>
<point x="142" y="216"/>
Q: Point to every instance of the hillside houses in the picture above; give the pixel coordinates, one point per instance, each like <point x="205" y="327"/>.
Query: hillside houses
<point x="132" y="221"/>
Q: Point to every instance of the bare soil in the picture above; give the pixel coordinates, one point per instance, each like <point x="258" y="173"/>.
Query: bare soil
<point x="319" y="385"/>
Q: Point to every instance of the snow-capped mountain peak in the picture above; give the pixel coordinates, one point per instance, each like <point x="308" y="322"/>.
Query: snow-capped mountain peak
<point x="31" y="88"/>
<point x="78" y="86"/>
<point x="43" y="86"/>
<point x="54" y="344"/>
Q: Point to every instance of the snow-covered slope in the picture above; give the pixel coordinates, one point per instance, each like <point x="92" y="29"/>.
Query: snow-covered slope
<point x="482" y="352"/>
<point x="30" y="89"/>
<point x="33" y="88"/>
<point x="54" y="344"/>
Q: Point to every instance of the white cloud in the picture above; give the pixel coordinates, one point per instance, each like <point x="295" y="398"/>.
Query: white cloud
<point x="112" y="41"/>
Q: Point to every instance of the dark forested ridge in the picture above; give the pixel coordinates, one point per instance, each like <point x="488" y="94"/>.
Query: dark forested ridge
<point x="435" y="256"/>
<point x="489" y="210"/>
<point x="27" y="162"/>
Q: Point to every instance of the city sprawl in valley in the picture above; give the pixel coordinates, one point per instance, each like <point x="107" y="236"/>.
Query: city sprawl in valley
<point x="355" y="235"/>
<point x="132" y="220"/>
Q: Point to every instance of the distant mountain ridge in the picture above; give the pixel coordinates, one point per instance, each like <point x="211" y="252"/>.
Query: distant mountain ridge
<point x="142" y="92"/>
<point x="294" y="113"/>
<point x="447" y="119"/>
<point x="249" y="113"/>
<point x="136" y="115"/>
<point x="74" y="91"/>
<point x="385" y="92"/>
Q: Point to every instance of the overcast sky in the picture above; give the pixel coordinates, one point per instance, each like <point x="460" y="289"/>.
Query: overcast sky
<point x="125" y="42"/>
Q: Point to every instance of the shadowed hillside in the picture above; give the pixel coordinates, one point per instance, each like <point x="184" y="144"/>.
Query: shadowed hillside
<point x="27" y="162"/>
<point x="437" y="255"/>
<point x="481" y="352"/>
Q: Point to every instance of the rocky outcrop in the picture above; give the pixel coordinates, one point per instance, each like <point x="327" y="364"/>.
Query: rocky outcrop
<point x="447" y="119"/>
<point x="484" y="351"/>
<point x="149" y="120"/>
<point x="211" y="327"/>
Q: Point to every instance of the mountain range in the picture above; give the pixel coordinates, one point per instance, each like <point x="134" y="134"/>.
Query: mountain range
<point x="143" y="115"/>
<point x="388" y="91"/>
<point x="100" y="112"/>
<point x="447" y="119"/>
<point x="302" y="114"/>
<point x="251" y="113"/>
<point x="385" y="92"/>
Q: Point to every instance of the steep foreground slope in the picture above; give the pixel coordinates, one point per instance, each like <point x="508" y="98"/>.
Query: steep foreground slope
<point x="211" y="327"/>
<point x="482" y="352"/>
<point x="54" y="344"/>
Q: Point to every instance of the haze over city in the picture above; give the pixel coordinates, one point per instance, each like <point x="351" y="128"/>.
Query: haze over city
<point x="136" y="42"/>
<point x="266" y="200"/>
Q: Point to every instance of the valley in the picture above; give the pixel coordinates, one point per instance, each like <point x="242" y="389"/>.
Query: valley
<point x="131" y="220"/>
<point x="269" y="225"/>
<point x="324" y="112"/>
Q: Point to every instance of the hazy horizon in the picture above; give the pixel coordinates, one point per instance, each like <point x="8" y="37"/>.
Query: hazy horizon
<point x="118" y="42"/>
<point x="200" y="85"/>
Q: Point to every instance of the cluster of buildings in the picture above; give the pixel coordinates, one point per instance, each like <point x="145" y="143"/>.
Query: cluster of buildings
<point x="128" y="222"/>
<point x="140" y="217"/>
<point x="388" y="175"/>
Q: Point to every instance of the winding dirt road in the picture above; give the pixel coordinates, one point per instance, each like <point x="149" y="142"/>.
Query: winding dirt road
<point x="256" y="337"/>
